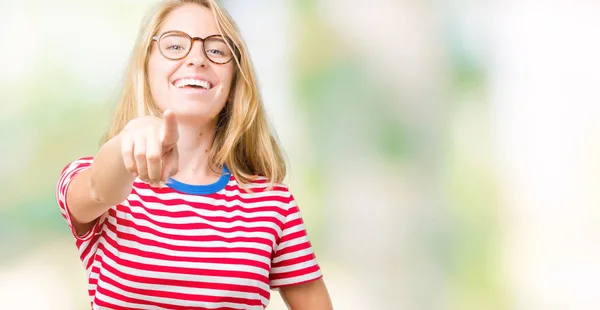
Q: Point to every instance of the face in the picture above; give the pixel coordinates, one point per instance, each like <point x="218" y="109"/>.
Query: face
<point x="181" y="85"/>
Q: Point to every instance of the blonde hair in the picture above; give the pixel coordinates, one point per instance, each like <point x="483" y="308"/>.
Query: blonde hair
<point x="243" y="139"/>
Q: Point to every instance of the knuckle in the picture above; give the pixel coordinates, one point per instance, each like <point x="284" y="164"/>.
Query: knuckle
<point x="153" y="157"/>
<point x="130" y="167"/>
<point x="139" y="154"/>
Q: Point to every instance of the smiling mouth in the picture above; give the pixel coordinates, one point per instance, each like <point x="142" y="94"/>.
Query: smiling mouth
<point x="192" y="84"/>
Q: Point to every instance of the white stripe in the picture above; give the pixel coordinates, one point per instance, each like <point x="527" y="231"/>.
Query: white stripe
<point x="182" y="289"/>
<point x="76" y="165"/>
<point x="187" y="243"/>
<point x="62" y="196"/>
<point x="214" y="202"/>
<point x="64" y="208"/>
<point x="63" y="212"/>
<point x="120" y="303"/>
<point x="293" y="216"/>
<point x="255" y="184"/>
<point x="195" y="220"/>
<point x="68" y="171"/>
<point x="193" y="265"/>
<point x="294" y="280"/>
<point x="282" y="192"/>
<point x="190" y="220"/>
<point x="194" y="232"/>
<point x="293" y="229"/>
<point x="292" y="255"/>
<point x="175" y="302"/>
<point x="165" y="251"/>
<point x="178" y="276"/>
<point x="206" y="212"/>
<point x="66" y="180"/>
<point x="93" y="275"/>
<point x="292" y="242"/>
<point x="295" y="267"/>
<point x="93" y="248"/>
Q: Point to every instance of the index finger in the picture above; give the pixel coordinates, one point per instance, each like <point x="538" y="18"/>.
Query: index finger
<point x="170" y="132"/>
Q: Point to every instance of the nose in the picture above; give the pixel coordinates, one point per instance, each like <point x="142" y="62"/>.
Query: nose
<point x="196" y="57"/>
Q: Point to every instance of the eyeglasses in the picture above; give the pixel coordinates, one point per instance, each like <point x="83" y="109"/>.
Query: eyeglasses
<point x="177" y="45"/>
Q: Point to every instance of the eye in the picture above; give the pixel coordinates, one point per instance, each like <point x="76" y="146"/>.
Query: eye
<point x="175" y="47"/>
<point x="215" y="52"/>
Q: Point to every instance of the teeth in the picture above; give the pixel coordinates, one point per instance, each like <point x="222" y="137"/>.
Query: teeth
<point x="192" y="82"/>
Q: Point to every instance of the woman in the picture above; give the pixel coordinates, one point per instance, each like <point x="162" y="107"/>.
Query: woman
<point x="183" y="207"/>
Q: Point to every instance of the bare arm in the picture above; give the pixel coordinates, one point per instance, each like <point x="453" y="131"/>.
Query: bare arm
<point x="307" y="296"/>
<point x="145" y="148"/>
<point x="93" y="191"/>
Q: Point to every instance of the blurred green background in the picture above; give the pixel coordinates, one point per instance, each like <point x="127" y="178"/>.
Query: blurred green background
<point x="444" y="153"/>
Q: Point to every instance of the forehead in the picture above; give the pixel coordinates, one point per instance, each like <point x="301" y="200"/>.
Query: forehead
<point x="194" y="19"/>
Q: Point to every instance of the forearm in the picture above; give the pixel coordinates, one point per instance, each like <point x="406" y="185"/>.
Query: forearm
<point x="307" y="296"/>
<point x="110" y="182"/>
<point x="93" y="191"/>
<point x="110" y="178"/>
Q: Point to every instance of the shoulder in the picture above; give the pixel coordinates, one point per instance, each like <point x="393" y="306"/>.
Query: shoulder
<point x="264" y="185"/>
<point x="76" y="165"/>
<point x="261" y="188"/>
<point x="79" y="162"/>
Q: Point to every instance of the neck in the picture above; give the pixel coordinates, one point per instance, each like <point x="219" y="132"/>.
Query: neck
<point x="193" y="146"/>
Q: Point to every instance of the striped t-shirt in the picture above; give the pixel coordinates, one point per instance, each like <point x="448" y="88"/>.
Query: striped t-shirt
<point x="187" y="246"/>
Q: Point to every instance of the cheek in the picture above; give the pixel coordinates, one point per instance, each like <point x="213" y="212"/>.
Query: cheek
<point x="158" y="73"/>
<point x="226" y="77"/>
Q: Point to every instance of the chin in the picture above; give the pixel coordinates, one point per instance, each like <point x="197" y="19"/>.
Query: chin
<point x="195" y="113"/>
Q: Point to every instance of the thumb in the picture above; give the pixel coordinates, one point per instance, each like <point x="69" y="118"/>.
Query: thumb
<point x="170" y="134"/>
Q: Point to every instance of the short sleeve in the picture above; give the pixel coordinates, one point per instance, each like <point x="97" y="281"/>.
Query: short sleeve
<point x="66" y="176"/>
<point x="294" y="261"/>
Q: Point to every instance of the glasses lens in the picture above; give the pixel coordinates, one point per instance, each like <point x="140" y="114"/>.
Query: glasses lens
<point x="217" y="50"/>
<point x="174" y="45"/>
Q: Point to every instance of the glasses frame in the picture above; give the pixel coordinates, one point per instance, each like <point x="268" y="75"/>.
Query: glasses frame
<point x="157" y="38"/>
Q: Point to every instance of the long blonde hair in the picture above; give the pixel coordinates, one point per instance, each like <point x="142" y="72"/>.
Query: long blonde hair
<point x="243" y="140"/>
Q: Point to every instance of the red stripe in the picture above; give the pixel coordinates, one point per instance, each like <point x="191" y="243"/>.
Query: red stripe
<point x="197" y="238"/>
<point x="185" y="270"/>
<point x="192" y="226"/>
<point x="295" y="273"/>
<point x="188" y="284"/>
<point x="261" y="180"/>
<point x="218" y="219"/>
<point x="148" y="242"/>
<point x="143" y="302"/>
<point x="292" y="236"/>
<point x="89" y="246"/>
<point x="297" y="282"/>
<point x="292" y="249"/>
<point x="293" y="261"/>
<point x="210" y="207"/>
<point x="107" y="305"/>
<point x="210" y="260"/>
<point x="256" y="189"/>
<point x="93" y="280"/>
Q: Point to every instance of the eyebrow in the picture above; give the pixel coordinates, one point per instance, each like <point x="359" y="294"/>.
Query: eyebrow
<point x="170" y="30"/>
